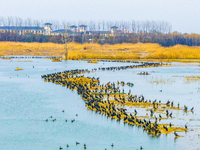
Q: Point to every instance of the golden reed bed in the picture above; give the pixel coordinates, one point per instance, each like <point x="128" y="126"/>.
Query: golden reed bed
<point x="124" y="51"/>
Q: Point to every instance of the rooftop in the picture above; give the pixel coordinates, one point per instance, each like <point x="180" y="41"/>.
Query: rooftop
<point x="99" y="32"/>
<point x="48" y="23"/>
<point x="82" y="25"/>
<point x="114" y="27"/>
<point x="73" y="26"/>
<point x="61" y="31"/>
<point x="20" y="28"/>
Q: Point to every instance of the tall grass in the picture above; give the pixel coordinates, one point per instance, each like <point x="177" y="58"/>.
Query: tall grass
<point x="34" y="49"/>
<point x="123" y="51"/>
<point x="175" y="52"/>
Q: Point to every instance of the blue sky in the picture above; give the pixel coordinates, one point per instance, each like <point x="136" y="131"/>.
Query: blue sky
<point x="182" y="14"/>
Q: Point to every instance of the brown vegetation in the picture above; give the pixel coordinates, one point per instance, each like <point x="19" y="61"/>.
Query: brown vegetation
<point x="124" y="51"/>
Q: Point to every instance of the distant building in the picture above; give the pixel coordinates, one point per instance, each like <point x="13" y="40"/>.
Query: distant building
<point x="73" y="28"/>
<point x="62" y="32"/>
<point x="47" y="30"/>
<point x="21" y="30"/>
<point x="101" y="33"/>
<point x="113" y="29"/>
<point x="82" y="28"/>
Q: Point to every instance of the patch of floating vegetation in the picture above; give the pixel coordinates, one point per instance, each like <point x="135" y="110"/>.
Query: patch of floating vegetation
<point x="23" y="61"/>
<point x="30" y="57"/>
<point x="92" y="61"/>
<point x="53" y="57"/>
<point x="143" y="73"/>
<point x="18" y="69"/>
<point x="192" y="78"/>
<point x="56" y="60"/>
<point x="108" y="100"/>
<point x="161" y="80"/>
<point x="5" y="57"/>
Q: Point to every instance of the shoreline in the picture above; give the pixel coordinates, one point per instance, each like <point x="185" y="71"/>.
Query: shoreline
<point x="108" y="60"/>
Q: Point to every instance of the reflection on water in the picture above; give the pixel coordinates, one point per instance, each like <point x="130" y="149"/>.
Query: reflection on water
<point x="27" y="101"/>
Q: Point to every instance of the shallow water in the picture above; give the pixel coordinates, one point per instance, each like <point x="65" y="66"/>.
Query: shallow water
<point x="26" y="101"/>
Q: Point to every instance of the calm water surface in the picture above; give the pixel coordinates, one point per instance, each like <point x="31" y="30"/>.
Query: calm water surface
<point x="26" y="101"/>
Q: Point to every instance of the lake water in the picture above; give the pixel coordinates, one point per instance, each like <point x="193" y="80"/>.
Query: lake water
<point x="26" y="101"/>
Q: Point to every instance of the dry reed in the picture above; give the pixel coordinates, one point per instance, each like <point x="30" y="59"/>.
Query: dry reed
<point x="124" y="51"/>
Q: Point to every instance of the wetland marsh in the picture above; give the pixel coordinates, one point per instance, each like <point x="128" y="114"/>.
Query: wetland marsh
<point x="27" y="101"/>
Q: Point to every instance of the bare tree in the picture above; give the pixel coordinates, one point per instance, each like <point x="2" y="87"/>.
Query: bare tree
<point x="1" y="21"/>
<point x="133" y="26"/>
<point x="103" y="25"/>
<point x="56" y="25"/>
<point x="99" y="26"/>
<point x="17" y="28"/>
<point x="37" y="25"/>
<point x="64" y="24"/>
<point x="29" y="22"/>
<point x="108" y="25"/>
<point x="10" y="21"/>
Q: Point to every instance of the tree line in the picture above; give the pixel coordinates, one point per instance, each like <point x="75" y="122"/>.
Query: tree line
<point x="133" y="26"/>
<point x="130" y="32"/>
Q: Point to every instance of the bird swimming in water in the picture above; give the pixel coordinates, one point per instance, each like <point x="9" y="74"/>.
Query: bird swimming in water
<point x="60" y="147"/>
<point x="84" y="146"/>
<point x="46" y="120"/>
<point x="192" y="109"/>
<point x="170" y="114"/>
<point x="175" y="134"/>
<point x="185" y="108"/>
<point x="186" y="126"/>
<point x="67" y="145"/>
<point x="167" y="112"/>
<point x="77" y="143"/>
<point x="112" y="144"/>
<point x="63" y="110"/>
